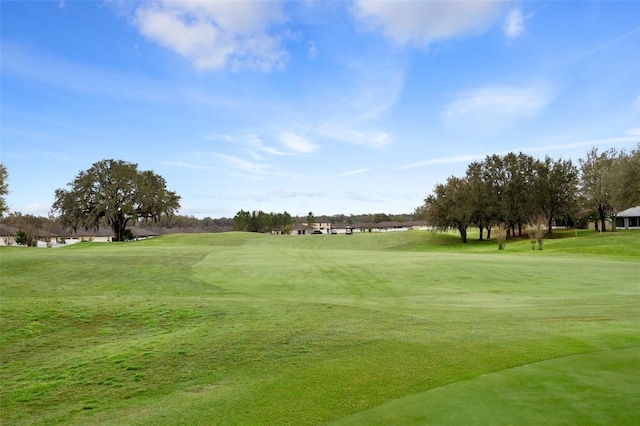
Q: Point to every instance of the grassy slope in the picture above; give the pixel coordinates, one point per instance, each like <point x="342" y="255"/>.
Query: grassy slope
<point x="240" y="329"/>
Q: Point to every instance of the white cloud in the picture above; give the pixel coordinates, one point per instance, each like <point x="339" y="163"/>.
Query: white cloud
<point x="255" y="143"/>
<point x="634" y="132"/>
<point x="630" y="138"/>
<point x="184" y="165"/>
<point x="242" y="165"/>
<point x="297" y="143"/>
<point x="372" y="138"/>
<point x="496" y="105"/>
<point x="443" y="160"/>
<point x="423" y="22"/>
<point x="514" y="24"/>
<point x="353" y="172"/>
<point x="215" y="35"/>
<point x="312" y="50"/>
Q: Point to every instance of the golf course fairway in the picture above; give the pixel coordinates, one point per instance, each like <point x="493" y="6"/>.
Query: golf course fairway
<point x="405" y="328"/>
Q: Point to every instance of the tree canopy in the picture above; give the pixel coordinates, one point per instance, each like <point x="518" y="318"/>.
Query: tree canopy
<point x="259" y="221"/>
<point x="114" y="192"/>
<point x="503" y="190"/>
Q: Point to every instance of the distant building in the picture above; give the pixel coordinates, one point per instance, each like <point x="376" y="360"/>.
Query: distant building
<point x="629" y="219"/>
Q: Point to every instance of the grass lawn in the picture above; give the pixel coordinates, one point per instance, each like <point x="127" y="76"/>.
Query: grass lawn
<point x="389" y="328"/>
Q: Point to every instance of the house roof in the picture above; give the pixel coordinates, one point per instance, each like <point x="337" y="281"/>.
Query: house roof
<point x="632" y="212"/>
<point x="7" y="230"/>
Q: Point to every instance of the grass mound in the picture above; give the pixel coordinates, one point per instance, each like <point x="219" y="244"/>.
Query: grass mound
<point x="242" y="328"/>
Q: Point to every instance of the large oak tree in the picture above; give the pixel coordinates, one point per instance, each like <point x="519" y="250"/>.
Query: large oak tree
<point x="115" y="192"/>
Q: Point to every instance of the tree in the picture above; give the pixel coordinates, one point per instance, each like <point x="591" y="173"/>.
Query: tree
<point x="115" y="192"/>
<point x="623" y="183"/>
<point x="241" y="221"/>
<point x="629" y="182"/>
<point x="516" y="197"/>
<point x="554" y="189"/>
<point x="450" y="206"/>
<point x="310" y="220"/>
<point x="4" y="189"/>
<point x="481" y="193"/>
<point x="596" y="189"/>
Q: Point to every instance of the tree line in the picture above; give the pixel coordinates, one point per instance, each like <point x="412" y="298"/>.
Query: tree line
<point x="259" y="221"/>
<point x="510" y="190"/>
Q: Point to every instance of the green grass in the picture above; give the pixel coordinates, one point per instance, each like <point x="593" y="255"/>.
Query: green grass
<point x="390" y="328"/>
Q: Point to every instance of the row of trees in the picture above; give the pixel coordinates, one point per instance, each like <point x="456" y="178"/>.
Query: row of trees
<point x="259" y="221"/>
<point x="511" y="189"/>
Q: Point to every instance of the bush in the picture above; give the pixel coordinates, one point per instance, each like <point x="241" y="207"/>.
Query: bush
<point x="26" y="238"/>
<point x="536" y="229"/>
<point x="501" y="237"/>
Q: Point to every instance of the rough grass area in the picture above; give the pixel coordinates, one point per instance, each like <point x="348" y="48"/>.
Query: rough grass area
<point x="395" y="328"/>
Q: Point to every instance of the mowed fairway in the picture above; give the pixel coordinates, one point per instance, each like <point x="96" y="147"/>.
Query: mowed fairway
<point x="395" y="328"/>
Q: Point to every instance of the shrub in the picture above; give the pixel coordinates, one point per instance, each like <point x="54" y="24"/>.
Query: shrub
<point x="536" y="229"/>
<point x="26" y="238"/>
<point x="501" y="237"/>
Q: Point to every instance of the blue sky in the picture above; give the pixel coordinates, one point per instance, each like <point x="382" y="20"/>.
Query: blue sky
<point x="323" y="106"/>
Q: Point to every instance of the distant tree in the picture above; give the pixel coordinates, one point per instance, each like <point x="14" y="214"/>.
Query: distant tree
<point x="115" y="192"/>
<point x="554" y="189"/>
<point x="595" y="188"/>
<point x="310" y="219"/>
<point x="241" y="221"/>
<point x="481" y="198"/>
<point x="4" y="189"/>
<point x="623" y="183"/>
<point x="381" y="217"/>
<point x="629" y="182"/>
<point x="450" y="206"/>
<point x="519" y="175"/>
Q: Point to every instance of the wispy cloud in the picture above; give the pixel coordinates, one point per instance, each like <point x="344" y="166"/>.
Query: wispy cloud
<point x="357" y="196"/>
<point x="567" y="59"/>
<point x="287" y="194"/>
<point x="251" y="169"/>
<point x="372" y="138"/>
<point x="297" y="143"/>
<point x="353" y="172"/>
<point x="631" y="137"/>
<point x="241" y="164"/>
<point x="25" y="63"/>
<point x="496" y="105"/>
<point x="514" y="24"/>
<point x="185" y="165"/>
<point x="442" y="160"/>
<point x="255" y="143"/>
<point x="215" y="35"/>
<point x="424" y="22"/>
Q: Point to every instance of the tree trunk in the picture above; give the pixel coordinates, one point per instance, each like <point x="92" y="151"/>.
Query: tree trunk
<point x="118" y="225"/>
<point x="481" y="229"/>
<point x="603" y="219"/>
<point x="603" y="225"/>
<point x="463" y="233"/>
<point x="488" y="232"/>
<point x="549" y="226"/>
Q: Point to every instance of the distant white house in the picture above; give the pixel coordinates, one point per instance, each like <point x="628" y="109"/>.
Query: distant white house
<point x="629" y="218"/>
